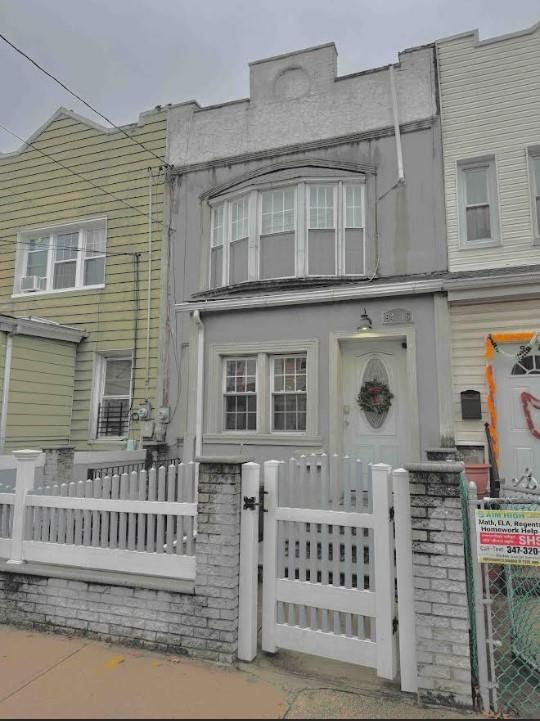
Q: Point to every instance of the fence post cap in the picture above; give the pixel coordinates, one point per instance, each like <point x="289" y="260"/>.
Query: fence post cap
<point x="26" y="454"/>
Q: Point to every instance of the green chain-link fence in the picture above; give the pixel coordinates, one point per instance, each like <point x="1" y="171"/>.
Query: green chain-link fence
<point x="510" y="601"/>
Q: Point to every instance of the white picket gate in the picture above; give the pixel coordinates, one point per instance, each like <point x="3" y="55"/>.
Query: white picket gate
<point x="142" y="522"/>
<point x="329" y="569"/>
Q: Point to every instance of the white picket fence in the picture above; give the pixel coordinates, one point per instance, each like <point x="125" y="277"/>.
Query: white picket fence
<point x="142" y="522"/>
<point x="337" y="544"/>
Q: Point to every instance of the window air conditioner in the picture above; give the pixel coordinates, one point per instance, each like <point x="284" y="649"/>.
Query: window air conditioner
<point x="31" y="283"/>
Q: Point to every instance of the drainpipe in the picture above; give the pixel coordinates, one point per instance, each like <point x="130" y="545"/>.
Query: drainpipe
<point x="397" y="134"/>
<point x="149" y="299"/>
<point x="200" y="381"/>
<point x="5" y="391"/>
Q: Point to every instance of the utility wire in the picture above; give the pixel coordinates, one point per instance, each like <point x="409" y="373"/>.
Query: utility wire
<point x="74" y="172"/>
<point x="108" y="254"/>
<point x="80" y="99"/>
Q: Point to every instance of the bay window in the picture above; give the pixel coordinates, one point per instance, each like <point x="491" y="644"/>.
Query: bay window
<point x="311" y="228"/>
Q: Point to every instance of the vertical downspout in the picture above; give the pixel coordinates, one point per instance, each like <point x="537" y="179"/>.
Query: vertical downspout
<point x="5" y="391"/>
<point x="397" y="133"/>
<point x="149" y="299"/>
<point x="200" y="380"/>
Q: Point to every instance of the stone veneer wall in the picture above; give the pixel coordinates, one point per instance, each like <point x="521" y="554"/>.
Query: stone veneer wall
<point x="202" y="622"/>
<point x="442" y="626"/>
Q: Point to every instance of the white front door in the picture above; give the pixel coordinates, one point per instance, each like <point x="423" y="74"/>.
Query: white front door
<point x="371" y="436"/>
<point x="517" y="400"/>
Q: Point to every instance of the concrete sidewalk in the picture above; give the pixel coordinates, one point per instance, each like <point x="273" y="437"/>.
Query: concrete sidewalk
<point x="48" y="676"/>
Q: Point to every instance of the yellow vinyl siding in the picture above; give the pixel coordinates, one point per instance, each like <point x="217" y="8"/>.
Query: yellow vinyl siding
<point x="40" y="392"/>
<point x="490" y="105"/>
<point x="35" y="193"/>
<point x="470" y="325"/>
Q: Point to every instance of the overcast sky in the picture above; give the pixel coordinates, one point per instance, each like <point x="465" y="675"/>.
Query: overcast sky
<point x="126" y="56"/>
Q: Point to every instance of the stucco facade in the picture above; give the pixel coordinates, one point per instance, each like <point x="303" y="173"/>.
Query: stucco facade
<point x="302" y="129"/>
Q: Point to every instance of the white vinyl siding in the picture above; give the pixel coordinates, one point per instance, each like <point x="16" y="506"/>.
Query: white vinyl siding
<point x="490" y="106"/>
<point x="470" y="325"/>
<point x="534" y="160"/>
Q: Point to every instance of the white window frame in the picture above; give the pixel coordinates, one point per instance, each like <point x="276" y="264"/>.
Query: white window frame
<point x="226" y="393"/>
<point x="98" y="388"/>
<point x="488" y="163"/>
<point x="301" y="189"/>
<point x="273" y="392"/>
<point x="52" y="232"/>
<point x="264" y="351"/>
<point x="534" y="154"/>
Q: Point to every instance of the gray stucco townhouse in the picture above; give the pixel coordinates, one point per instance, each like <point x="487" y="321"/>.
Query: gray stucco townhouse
<point x="300" y="217"/>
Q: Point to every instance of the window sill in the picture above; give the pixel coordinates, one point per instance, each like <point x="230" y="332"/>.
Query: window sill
<point x="264" y="439"/>
<point x="40" y="293"/>
<point x="479" y="245"/>
<point x="290" y="283"/>
<point x="108" y="441"/>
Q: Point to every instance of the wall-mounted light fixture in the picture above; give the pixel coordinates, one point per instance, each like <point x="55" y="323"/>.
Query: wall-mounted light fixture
<point x="365" y="322"/>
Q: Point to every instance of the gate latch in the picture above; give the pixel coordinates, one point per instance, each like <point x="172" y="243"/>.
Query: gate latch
<point x="250" y="503"/>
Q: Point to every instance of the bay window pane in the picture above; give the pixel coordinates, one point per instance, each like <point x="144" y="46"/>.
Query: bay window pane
<point x="239" y="219"/>
<point x="354" y="251"/>
<point x="94" y="271"/>
<point x="238" y="261"/>
<point x="353" y="206"/>
<point x="216" y="267"/>
<point x="64" y="275"/>
<point x="321" y="206"/>
<point x="218" y="226"/>
<point x="277" y="255"/>
<point x="478" y="223"/>
<point x="278" y="211"/>
<point x="476" y="185"/>
<point x="322" y="252"/>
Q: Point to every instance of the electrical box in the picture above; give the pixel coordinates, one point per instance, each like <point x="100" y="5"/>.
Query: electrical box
<point x="163" y="415"/>
<point x="471" y="406"/>
<point x="147" y="429"/>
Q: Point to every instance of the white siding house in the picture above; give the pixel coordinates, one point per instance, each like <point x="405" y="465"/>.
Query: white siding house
<point x="490" y="119"/>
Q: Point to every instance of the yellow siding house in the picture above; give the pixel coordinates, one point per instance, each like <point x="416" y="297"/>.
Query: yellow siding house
<point x="81" y="269"/>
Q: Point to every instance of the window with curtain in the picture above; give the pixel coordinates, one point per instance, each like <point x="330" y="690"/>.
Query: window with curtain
<point x="301" y="229"/>
<point x="62" y="258"/>
<point x="478" y="200"/>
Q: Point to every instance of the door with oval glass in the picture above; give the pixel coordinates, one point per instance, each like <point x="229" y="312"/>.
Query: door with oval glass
<point x="376" y="426"/>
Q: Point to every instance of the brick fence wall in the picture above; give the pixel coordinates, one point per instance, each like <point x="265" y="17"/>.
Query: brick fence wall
<point x="442" y="626"/>
<point x="201" y="623"/>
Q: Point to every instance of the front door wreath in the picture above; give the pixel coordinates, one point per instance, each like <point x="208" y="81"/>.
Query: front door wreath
<point x="375" y="397"/>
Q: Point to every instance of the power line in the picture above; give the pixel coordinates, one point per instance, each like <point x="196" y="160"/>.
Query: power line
<point x="74" y="172"/>
<point x="108" y="254"/>
<point x="79" y="98"/>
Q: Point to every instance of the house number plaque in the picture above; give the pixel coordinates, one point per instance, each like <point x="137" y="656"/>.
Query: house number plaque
<point x="397" y="315"/>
